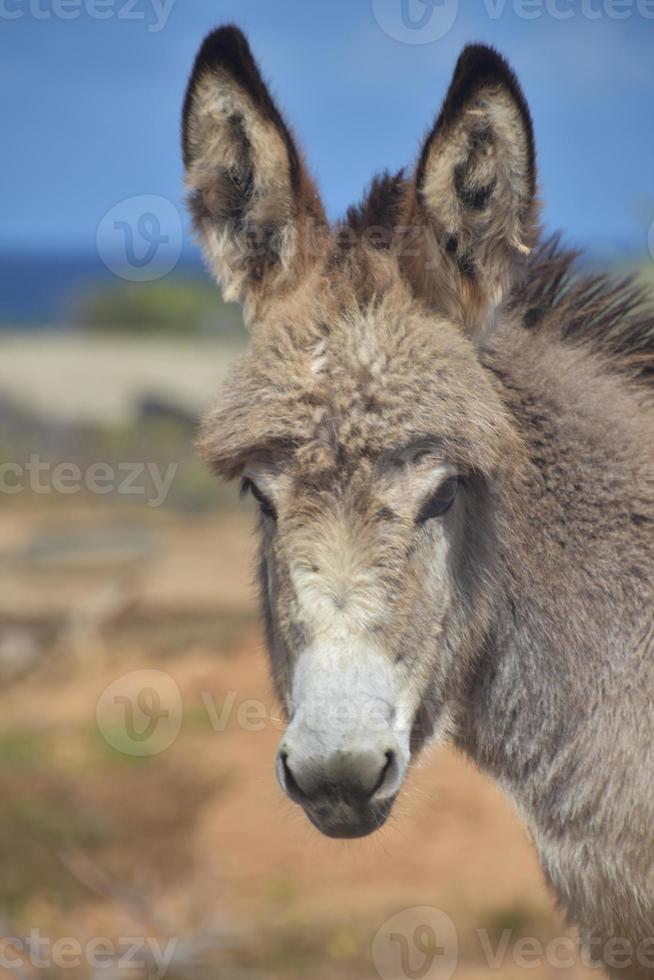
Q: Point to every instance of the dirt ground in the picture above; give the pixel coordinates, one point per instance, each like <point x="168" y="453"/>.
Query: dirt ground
<point x="189" y="837"/>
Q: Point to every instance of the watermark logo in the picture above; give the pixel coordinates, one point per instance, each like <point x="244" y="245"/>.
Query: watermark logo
<point x="140" y="239"/>
<point x="416" y="21"/>
<point x="569" y="9"/>
<point x="416" y="944"/>
<point x="140" y="714"/>
<point x="153" y="12"/>
<point x="42" y="477"/>
<point x="150" y="957"/>
<point x="422" y="944"/>
<point x="426" y="21"/>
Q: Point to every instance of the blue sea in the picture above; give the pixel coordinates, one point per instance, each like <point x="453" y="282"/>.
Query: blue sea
<point x="42" y="289"/>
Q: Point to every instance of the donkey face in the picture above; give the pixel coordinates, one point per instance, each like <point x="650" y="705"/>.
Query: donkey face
<point x="360" y="417"/>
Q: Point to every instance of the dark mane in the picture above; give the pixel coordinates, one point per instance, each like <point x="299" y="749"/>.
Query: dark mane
<point x="379" y="211"/>
<point x="614" y="316"/>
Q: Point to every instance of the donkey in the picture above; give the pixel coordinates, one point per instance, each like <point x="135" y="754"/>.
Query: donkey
<point x="449" y="435"/>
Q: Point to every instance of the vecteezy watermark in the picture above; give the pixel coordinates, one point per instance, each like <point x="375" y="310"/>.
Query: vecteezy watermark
<point x="151" y="957"/>
<point x="426" y="21"/>
<point x="153" y="12"/>
<point x="416" y="21"/>
<point x="565" y="953"/>
<point x="422" y="943"/>
<point x="140" y="713"/>
<point x="140" y="239"/>
<point x="567" y="9"/>
<point x="40" y="476"/>
<point x="416" y="944"/>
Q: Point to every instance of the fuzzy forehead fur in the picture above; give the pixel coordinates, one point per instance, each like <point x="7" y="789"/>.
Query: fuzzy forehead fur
<point x="337" y="378"/>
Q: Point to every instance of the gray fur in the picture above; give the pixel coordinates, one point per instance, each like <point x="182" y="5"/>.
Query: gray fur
<point x="518" y="624"/>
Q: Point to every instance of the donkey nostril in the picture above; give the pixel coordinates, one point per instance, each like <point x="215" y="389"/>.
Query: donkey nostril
<point x="353" y="778"/>
<point x="290" y="782"/>
<point x="388" y="766"/>
<point x="285" y="766"/>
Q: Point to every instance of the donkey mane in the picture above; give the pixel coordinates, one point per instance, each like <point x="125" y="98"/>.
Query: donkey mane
<point x="380" y="207"/>
<point x="613" y="317"/>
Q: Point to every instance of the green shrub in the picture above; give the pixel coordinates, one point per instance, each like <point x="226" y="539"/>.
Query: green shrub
<point x="171" y="306"/>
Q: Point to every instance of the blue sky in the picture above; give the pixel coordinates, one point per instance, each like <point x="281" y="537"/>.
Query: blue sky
<point x="90" y="106"/>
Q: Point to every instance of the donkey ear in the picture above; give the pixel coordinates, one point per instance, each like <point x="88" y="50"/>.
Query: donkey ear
<point x="252" y="202"/>
<point x="473" y="193"/>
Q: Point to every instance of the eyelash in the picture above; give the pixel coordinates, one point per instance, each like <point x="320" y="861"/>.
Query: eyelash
<point x="267" y="509"/>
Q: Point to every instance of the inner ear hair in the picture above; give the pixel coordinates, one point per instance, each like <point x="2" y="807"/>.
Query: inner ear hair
<point x="227" y="50"/>
<point x="257" y="213"/>
<point x="474" y="193"/>
<point x="478" y="68"/>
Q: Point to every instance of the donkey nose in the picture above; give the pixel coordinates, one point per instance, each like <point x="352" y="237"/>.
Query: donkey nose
<point x="354" y="777"/>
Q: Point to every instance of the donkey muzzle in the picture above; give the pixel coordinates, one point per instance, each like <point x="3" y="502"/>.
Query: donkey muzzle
<point x="346" y="793"/>
<point x="342" y="759"/>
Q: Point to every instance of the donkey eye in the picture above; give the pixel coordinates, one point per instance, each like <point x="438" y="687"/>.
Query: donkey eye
<point x="267" y="509"/>
<point x="441" y="501"/>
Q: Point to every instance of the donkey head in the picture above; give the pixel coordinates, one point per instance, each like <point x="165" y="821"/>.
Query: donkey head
<point x="360" y="417"/>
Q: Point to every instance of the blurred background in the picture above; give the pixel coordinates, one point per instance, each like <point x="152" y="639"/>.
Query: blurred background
<point x="138" y="803"/>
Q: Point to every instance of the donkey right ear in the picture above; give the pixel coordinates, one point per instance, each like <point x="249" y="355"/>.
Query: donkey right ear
<point x="474" y="193"/>
<point x="257" y="213"/>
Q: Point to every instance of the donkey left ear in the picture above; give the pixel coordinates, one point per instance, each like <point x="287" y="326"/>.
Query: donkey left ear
<point x="474" y="193"/>
<point x="257" y="213"/>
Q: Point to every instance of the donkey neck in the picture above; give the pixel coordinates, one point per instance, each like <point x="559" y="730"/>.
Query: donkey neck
<point x="549" y="688"/>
